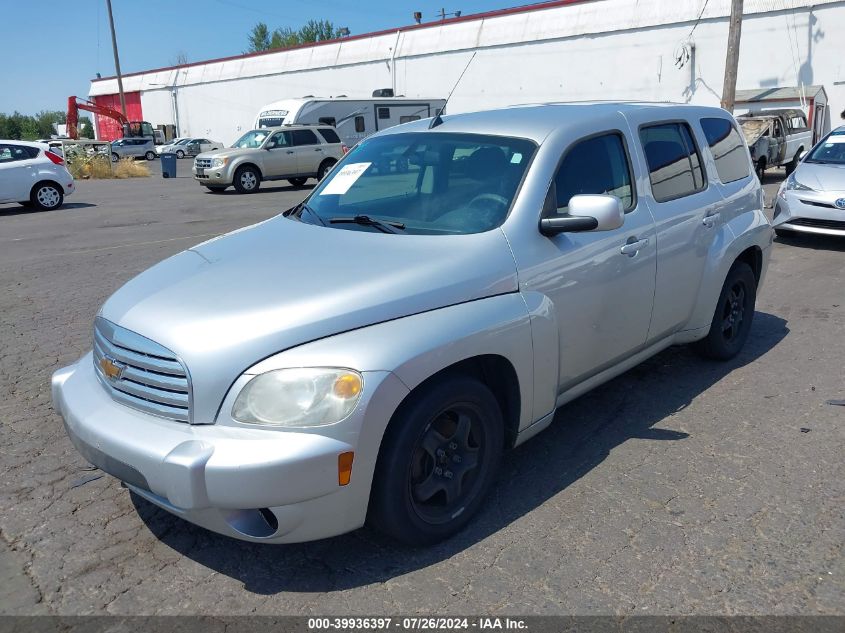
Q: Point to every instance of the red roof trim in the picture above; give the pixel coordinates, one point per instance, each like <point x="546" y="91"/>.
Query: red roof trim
<point x="551" y="4"/>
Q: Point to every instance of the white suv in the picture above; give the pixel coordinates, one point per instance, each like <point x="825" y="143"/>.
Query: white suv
<point x="33" y="175"/>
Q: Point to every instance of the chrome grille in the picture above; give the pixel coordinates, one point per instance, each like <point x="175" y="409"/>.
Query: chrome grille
<point x="146" y="376"/>
<point x="203" y="163"/>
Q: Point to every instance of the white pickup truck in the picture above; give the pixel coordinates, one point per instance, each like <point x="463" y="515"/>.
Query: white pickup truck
<point x="776" y="138"/>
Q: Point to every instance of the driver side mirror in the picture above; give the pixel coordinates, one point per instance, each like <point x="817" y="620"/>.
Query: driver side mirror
<point x="587" y="212"/>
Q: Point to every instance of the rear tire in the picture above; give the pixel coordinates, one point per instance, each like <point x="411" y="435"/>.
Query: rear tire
<point x="325" y="166"/>
<point x="733" y="315"/>
<point x="180" y="154"/>
<point x="114" y="157"/>
<point x="297" y="182"/>
<point x="47" y="196"/>
<point x="150" y="156"/>
<point x="438" y="459"/>
<point x="791" y="165"/>
<point x="247" y="179"/>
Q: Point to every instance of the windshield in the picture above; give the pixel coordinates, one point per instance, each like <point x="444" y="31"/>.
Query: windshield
<point x="252" y="140"/>
<point x="831" y="150"/>
<point x="427" y="182"/>
<point x="184" y="141"/>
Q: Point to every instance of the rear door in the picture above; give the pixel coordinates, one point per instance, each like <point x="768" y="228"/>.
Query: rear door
<point x="310" y="152"/>
<point x="686" y="210"/>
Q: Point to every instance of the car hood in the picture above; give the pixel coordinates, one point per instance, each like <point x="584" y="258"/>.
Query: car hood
<point x="228" y="303"/>
<point x="229" y="151"/>
<point x="821" y="177"/>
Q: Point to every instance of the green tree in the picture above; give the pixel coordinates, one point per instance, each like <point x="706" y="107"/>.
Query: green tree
<point x="86" y="128"/>
<point x="259" y="38"/>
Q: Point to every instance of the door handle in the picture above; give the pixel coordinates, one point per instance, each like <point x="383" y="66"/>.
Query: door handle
<point x="318" y="149"/>
<point x="710" y="219"/>
<point x="632" y="248"/>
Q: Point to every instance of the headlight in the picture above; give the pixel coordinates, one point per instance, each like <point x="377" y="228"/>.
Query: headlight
<point x="218" y="162"/>
<point x="792" y="184"/>
<point x="299" y="397"/>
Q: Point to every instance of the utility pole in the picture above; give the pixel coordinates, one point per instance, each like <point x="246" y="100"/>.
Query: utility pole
<point x="732" y="60"/>
<point x="116" y="61"/>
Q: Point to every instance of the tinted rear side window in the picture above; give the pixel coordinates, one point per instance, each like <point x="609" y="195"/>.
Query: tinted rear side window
<point x="305" y="137"/>
<point x="330" y="135"/>
<point x="727" y="148"/>
<point x="674" y="164"/>
<point x="597" y="165"/>
<point x="359" y="124"/>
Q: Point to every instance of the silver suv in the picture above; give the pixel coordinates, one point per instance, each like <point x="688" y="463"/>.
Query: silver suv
<point x="294" y="153"/>
<point x="369" y="353"/>
<point x="133" y="148"/>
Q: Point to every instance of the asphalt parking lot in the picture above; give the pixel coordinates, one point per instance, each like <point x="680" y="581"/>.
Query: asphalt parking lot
<point x="681" y="487"/>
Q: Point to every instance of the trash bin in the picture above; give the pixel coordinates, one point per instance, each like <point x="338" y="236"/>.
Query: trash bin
<point x="168" y="165"/>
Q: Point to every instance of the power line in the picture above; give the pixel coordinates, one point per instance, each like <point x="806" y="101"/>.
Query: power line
<point x="698" y="19"/>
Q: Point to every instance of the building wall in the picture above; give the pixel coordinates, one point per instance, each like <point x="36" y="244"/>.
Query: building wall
<point x="600" y="49"/>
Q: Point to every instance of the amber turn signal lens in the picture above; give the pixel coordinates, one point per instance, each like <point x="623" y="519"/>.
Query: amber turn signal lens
<point x="347" y="386"/>
<point x="344" y="467"/>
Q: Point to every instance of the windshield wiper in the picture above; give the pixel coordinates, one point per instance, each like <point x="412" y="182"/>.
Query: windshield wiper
<point x="297" y="211"/>
<point x="385" y="226"/>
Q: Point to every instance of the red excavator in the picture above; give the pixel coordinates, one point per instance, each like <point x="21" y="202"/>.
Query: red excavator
<point x="131" y="129"/>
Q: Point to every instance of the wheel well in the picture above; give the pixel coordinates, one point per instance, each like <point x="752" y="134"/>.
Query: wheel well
<point x="327" y="161"/>
<point x="46" y="182"/>
<point x="753" y="256"/>
<point x="498" y="374"/>
<point x="253" y="165"/>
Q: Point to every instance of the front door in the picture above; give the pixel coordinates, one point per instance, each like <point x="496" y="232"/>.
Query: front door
<point x="280" y="156"/>
<point x="601" y="282"/>
<point x="16" y="177"/>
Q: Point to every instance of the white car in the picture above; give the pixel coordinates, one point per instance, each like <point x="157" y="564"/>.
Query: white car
<point x="170" y="145"/>
<point x="33" y="175"/>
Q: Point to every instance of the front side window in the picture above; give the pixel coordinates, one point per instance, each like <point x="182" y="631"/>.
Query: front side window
<point x="597" y="165"/>
<point x="305" y="137"/>
<point x="674" y="164"/>
<point x="430" y="183"/>
<point x="251" y="140"/>
<point x="279" y="139"/>
<point x="727" y="148"/>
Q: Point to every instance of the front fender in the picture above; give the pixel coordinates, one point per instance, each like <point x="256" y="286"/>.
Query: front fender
<point x="416" y="347"/>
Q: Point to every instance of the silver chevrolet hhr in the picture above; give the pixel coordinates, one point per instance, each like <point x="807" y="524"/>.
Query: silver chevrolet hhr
<point x="369" y="354"/>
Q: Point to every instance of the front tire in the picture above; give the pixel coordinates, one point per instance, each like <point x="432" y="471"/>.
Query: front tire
<point x="793" y="164"/>
<point x="760" y="168"/>
<point x="47" y="196"/>
<point x="150" y="156"/>
<point x="733" y="316"/>
<point x="180" y="154"/>
<point x="114" y="157"/>
<point x="247" y="179"/>
<point x="437" y="461"/>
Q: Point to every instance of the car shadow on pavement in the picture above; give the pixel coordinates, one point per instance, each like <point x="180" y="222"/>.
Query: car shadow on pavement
<point x="264" y="189"/>
<point x="815" y="242"/>
<point x="21" y="210"/>
<point x="582" y="436"/>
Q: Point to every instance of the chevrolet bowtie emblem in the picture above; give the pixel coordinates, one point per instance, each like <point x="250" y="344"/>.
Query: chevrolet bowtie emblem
<point x="112" y="368"/>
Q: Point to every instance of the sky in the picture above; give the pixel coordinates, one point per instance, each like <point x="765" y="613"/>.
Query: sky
<point x="68" y="43"/>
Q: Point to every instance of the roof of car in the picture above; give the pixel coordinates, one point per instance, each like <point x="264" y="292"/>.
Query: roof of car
<point x="536" y="121"/>
<point x="25" y="143"/>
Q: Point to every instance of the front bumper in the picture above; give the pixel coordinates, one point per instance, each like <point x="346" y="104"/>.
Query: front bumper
<point x="213" y="176"/>
<point x="809" y="212"/>
<point x="250" y="483"/>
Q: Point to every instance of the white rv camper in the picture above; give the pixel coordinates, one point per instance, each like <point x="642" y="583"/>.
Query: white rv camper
<point x="354" y="119"/>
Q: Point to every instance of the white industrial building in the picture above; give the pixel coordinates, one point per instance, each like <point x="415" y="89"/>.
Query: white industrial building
<point x="565" y="50"/>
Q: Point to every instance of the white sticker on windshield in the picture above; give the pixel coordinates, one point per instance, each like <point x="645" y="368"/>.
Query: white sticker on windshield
<point x="516" y="159"/>
<point x="344" y="179"/>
